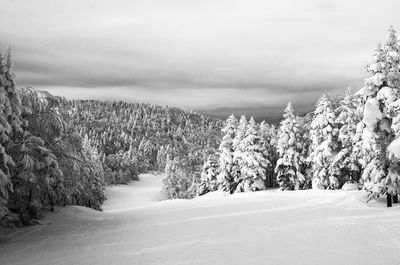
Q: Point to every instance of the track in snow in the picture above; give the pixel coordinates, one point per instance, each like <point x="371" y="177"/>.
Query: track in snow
<point x="270" y="227"/>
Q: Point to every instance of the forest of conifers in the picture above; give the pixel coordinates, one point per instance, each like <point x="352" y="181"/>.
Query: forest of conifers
<point x="55" y="151"/>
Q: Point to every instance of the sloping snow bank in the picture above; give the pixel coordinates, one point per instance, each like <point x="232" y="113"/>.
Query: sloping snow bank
<point x="268" y="227"/>
<point x="137" y="194"/>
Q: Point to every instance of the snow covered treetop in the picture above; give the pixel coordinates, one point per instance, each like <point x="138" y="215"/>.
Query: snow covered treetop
<point x="288" y="111"/>
<point x="323" y="103"/>
<point x="7" y="75"/>
<point x="289" y="108"/>
<point x="324" y="114"/>
<point x="392" y="38"/>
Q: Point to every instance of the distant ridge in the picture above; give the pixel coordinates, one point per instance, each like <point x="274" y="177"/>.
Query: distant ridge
<point x="272" y="115"/>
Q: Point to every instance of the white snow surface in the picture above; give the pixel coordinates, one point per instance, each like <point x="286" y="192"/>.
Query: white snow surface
<point x="372" y="113"/>
<point x="394" y="148"/>
<point x="387" y="94"/>
<point x="266" y="227"/>
<point x="364" y="91"/>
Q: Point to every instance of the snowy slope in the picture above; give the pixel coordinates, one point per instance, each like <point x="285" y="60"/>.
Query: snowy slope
<point x="270" y="227"/>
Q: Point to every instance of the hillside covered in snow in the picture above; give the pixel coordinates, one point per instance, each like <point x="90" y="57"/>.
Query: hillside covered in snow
<point x="265" y="227"/>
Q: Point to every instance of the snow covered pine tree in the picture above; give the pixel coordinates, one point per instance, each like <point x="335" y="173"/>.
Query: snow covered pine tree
<point x="237" y="154"/>
<point x="288" y="166"/>
<point x="225" y="178"/>
<point x="269" y="139"/>
<point x="10" y="120"/>
<point x="208" y="181"/>
<point x="252" y="162"/>
<point x="324" y="134"/>
<point x="346" y="164"/>
<point x="380" y="116"/>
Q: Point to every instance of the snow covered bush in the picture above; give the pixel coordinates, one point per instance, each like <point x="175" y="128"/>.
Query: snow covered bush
<point x="209" y="174"/>
<point x="176" y="183"/>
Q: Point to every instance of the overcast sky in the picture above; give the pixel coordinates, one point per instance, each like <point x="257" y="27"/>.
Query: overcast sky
<point x="195" y="53"/>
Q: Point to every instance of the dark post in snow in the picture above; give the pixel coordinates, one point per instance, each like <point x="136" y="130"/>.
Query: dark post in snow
<point x="395" y="198"/>
<point x="388" y="199"/>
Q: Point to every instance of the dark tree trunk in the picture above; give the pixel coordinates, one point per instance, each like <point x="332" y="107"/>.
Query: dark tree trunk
<point x="388" y="200"/>
<point x="395" y="198"/>
<point x="30" y="196"/>
<point x="51" y="204"/>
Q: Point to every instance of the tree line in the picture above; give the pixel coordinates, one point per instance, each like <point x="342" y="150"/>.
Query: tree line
<point x="55" y="151"/>
<point x="353" y="139"/>
<point x="132" y="138"/>
<point x="43" y="160"/>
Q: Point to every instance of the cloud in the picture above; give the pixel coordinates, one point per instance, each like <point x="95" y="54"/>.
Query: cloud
<point x="195" y="53"/>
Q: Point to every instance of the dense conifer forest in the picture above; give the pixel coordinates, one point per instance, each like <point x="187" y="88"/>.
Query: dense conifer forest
<point x="60" y="152"/>
<point x="133" y="138"/>
<point x="349" y="140"/>
<point x="55" y="151"/>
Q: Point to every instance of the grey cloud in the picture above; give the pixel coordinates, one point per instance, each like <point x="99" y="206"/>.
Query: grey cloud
<point x="80" y="69"/>
<point x="191" y="51"/>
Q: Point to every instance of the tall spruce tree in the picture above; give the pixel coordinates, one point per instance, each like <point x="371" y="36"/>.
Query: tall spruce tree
<point x="392" y="99"/>
<point x="10" y="125"/>
<point x="290" y="144"/>
<point x="306" y="167"/>
<point x="324" y="134"/>
<point x="238" y="154"/>
<point x="226" y="152"/>
<point x="381" y="92"/>
<point x="346" y="163"/>
<point x="253" y="163"/>
<point x="268" y="134"/>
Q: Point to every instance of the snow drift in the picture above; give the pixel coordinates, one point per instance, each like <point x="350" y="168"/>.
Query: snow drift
<point x="266" y="227"/>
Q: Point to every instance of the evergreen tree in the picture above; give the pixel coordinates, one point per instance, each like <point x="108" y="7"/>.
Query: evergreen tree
<point x="392" y="98"/>
<point x="175" y="182"/>
<point x="209" y="175"/>
<point x="226" y="151"/>
<point x="10" y="125"/>
<point x="380" y="174"/>
<point x="392" y="49"/>
<point x="381" y="111"/>
<point x="290" y="144"/>
<point x="94" y="172"/>
<point x="346" y="163"/>
<point x="252" y="161"/>
<point x="324" y="134"/>
<point x="238" y="153"/>
<point x="64" y="172"/>
<point x="304" y="131"/>
<point x="268" y="142"/>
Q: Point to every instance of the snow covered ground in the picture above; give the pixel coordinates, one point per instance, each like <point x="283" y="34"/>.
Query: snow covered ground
<point x="270" y="227"/>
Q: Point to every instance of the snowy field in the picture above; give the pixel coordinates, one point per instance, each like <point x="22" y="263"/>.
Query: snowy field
<point x="270" y="227"/>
